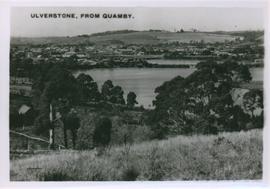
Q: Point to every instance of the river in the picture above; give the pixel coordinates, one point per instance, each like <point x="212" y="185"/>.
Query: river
<point x="143" y="81"/>
<point x="257" y="74"/>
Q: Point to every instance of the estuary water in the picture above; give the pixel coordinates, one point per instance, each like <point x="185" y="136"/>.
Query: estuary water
<point x="143" y="81"/>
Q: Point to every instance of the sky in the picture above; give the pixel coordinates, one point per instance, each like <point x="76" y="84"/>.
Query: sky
<point x="203" y="19"/>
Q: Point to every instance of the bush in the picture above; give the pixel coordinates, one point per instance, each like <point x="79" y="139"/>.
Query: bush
<point x="95" y="131"/>
<point x="160" y="131"/>
<point x="42" y="125"/>
<point x="102" y="133"/>
<point x="121" y="132"/>
<point x="258" y="121"/>
<point x="85" y="133"/>
<point x="56" y="175"/>
<point x="142" y="133"/>
<point x="15" y="120"/>
<point x="130" y="174"/>
<point x="129" y="133"/>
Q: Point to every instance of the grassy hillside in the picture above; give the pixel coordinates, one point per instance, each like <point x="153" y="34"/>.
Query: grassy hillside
<point x="137" y="37"/>
<point x="226" y="156"/>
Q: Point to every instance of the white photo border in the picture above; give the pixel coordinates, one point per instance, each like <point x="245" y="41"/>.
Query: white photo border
<point x="5" y="9"/>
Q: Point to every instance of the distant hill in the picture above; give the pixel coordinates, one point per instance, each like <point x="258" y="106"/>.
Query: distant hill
<point x="113" y="32"/>
<point x="129" y="37"/>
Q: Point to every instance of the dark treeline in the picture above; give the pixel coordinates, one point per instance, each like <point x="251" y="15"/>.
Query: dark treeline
<point x="27" y="69"/>
<point x="203" y="103"/>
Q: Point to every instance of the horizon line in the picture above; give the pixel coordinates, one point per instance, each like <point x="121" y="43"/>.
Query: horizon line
<point x="198" y="31"/>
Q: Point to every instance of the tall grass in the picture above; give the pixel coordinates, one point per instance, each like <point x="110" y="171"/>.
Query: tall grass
<point x="227" y="156"/>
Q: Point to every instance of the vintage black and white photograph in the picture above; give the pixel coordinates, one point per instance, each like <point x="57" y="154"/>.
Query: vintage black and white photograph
<point x="136" y="93"/>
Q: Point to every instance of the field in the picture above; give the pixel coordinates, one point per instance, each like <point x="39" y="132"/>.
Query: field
<point x="140" y="37"/>
<point x="227" y="156"/>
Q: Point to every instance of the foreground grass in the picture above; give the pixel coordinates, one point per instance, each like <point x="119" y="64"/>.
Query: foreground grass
<point x="227" y="156"/>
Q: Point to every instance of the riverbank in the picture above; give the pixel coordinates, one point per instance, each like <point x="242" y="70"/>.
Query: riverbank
<point x="145" y="65"/>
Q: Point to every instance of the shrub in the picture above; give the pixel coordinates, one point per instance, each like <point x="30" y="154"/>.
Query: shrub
<point x="97" y="176"/>
<point x="56" y="175"/>
<point x="130" y="174"/>
<point x="142" y="133"/>
<point x="122" y="134"/>
<point x="42" y="125"/>
<point x="85" y="133"/>
<point x="102" y="133"/>
<point x="160" y="131"/>
<point x="15" y="120"/>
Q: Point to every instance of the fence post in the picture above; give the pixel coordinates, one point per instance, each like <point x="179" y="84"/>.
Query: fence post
<point x="51" y="131"/>
<point x="27" y="143"/>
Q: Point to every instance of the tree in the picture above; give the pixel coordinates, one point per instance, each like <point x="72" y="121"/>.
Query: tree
<point x="61" y="85"/>
<point x="71" y="122"/>
<point x="59" y="94"/>
<point x="111" y="93"/>
<point x="252" y="101"/>
<point x="240" y="119"/>
<point x="15" y="120"/>
<point x="117" y="95"/>
<point x="244" y="73"/>
<point x="200" y="103"/>
<point x="238" y="72"/>
<point x="89" y="88"/>
<point x="85" y="133"/>
<point x="160" y="130"/>
<point x="102" y="133"/>
<point x="42" y="124"/>
<point x="106" y="90"/>
<point x="131" y="99"/>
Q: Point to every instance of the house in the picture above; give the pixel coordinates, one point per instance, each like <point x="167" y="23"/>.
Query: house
<point x="68" y="54"/>
<point x="24" y="109"/>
